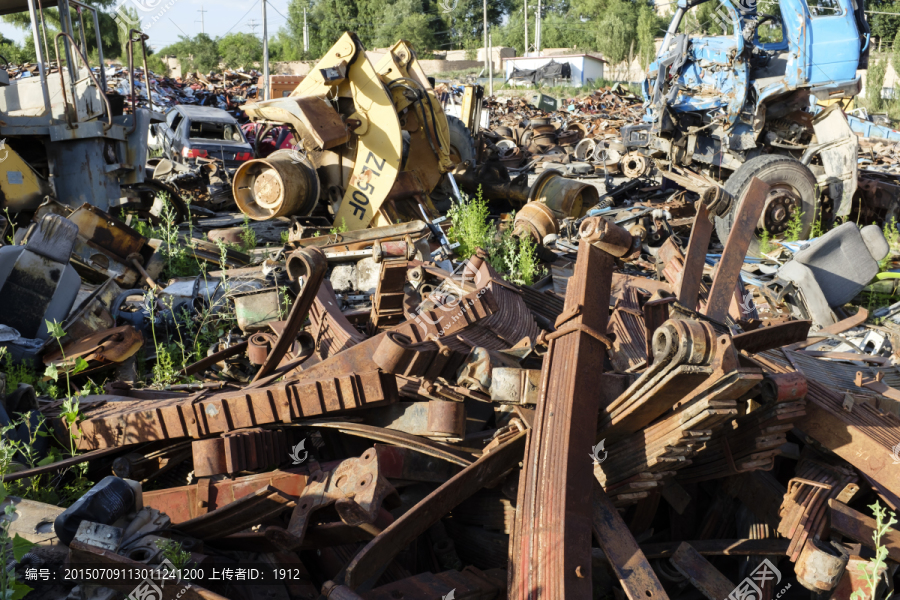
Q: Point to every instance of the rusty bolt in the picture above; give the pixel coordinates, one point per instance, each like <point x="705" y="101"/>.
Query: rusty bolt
<point x="578" y="572"/>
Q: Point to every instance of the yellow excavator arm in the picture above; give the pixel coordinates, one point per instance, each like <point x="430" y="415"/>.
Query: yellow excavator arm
<point x="359" y="112"/>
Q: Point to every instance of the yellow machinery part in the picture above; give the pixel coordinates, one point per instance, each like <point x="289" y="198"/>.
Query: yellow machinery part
<point x="21" y="188"/>
<point x="379" y="144"/>
<point x="428" y="155"/>
<point x="470" y="111"/>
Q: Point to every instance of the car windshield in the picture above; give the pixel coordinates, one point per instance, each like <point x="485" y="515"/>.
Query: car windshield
<point x="215" y="131"/>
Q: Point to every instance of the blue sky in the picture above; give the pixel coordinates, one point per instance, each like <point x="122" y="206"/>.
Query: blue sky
<point x="179" y="17"/>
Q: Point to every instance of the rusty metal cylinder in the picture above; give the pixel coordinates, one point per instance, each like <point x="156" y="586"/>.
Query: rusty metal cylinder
<point x="258" y="348"/>
<point x="783" y="387"/>
<point x="282" y="184"/>
<point x="820" y="565"/>
<point x="717" y="200"/>
<point x="565" y="197"/>
<point x="684" y="342"/>
<point x="537" y="220"/>
<point x="446" y="418"/>
<point x="401" y="249"/>
<point x="607" y="236"/>
<point x="394" y="354"/>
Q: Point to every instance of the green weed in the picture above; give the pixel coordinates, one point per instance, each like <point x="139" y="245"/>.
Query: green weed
<point x="818" y="230"/>
<point x="336" y="230"/>
<point x="12" y="227"/>
<point x="794" y="227"/>
<point x="177" y="257"/>
<point x="515" y="257"/>
<point x="892" y="235"/>
<point x="471" y="225"/>
<point x="765" y="243"/>
<point x="285" y="237"/>
<point x="248" y="235"/>
<point x="10" y="588"/>
<point x="15" y="453"/>
<point x="174" y="553"/>
<point x="883" y="524"/>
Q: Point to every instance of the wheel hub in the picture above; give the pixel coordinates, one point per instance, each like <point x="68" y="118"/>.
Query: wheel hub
<point x="780" y="207"/>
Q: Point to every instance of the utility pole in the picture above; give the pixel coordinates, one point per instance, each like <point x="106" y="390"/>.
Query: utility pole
<point x="265" y="40"/>
<point x="485" y="44"/>
<point x="202" y="23"/>
<point x="252" y="24"/>
<point x="305" y="33"/>
<point x="490" y="68"/>
<point x="537" y="31"/>
<point x="525" y="52"/>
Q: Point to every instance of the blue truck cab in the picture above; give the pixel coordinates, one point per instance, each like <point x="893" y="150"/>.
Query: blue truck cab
<point x="737" y="106"/>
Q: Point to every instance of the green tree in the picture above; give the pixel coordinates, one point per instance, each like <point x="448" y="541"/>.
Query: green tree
<point x="874" y="83"/>
<point x="895" y="55"/>
<point x="883" y="26"/>
<point x="646" y="34"/>
<point x="109" y="29"/>
<point x="240" y="50"/>
<point x="288" y="42"/>
<point x="199" y="53"/>
<point x="405" y="20"/>
<point x="614" y="40"/>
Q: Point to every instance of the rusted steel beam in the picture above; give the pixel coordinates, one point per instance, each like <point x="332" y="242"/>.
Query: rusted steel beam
<point x="387" y="303"/>
<point x="129" y="422"/>
<point x="189" y="501"/>
<point x="861" y="316"/>
<point x="550" y="551"/>
<point x="714" y="201"/>
<point x="62" y="464"/>
<point x="309" y="264"/>
<point x="368" y="564"/>
<point x="205" y="363"/>
<point x="772" y="337"/>
<point x="859" y="528"/>
<point x="700" y="572"/>
<point x="239" y="515"/>
<point x="864" y="436"/>
<point x="742" y="231"/>
<point x="397" y="438"/>
<point x="623" y="553"/>
<point x="742" y="547"/>
<point x="331" y="330"/>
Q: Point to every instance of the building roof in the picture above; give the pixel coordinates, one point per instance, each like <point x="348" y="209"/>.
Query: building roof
<point x="554" y="56"/>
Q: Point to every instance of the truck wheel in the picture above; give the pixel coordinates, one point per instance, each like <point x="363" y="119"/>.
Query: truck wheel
<point x="462" y="148"/>
<point x="793" y="191"/>
<point x="462" y="144"/>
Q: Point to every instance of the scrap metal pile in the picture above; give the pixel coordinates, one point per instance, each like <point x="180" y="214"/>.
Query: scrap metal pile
<point x="584" y="141"/>
<point x="227" y="90"/>
<point x="366" y="422"/>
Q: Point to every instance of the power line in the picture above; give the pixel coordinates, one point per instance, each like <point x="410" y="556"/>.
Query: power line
<point x="202" y="20"/>
<point x="239" y="21"/>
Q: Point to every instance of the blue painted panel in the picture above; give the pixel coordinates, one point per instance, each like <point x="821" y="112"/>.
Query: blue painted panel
<point x="835" y="46"/>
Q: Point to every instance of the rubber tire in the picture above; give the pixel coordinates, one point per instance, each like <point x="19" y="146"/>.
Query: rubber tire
<point x="772" y="169"/>
<point x="461" y="139"/>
